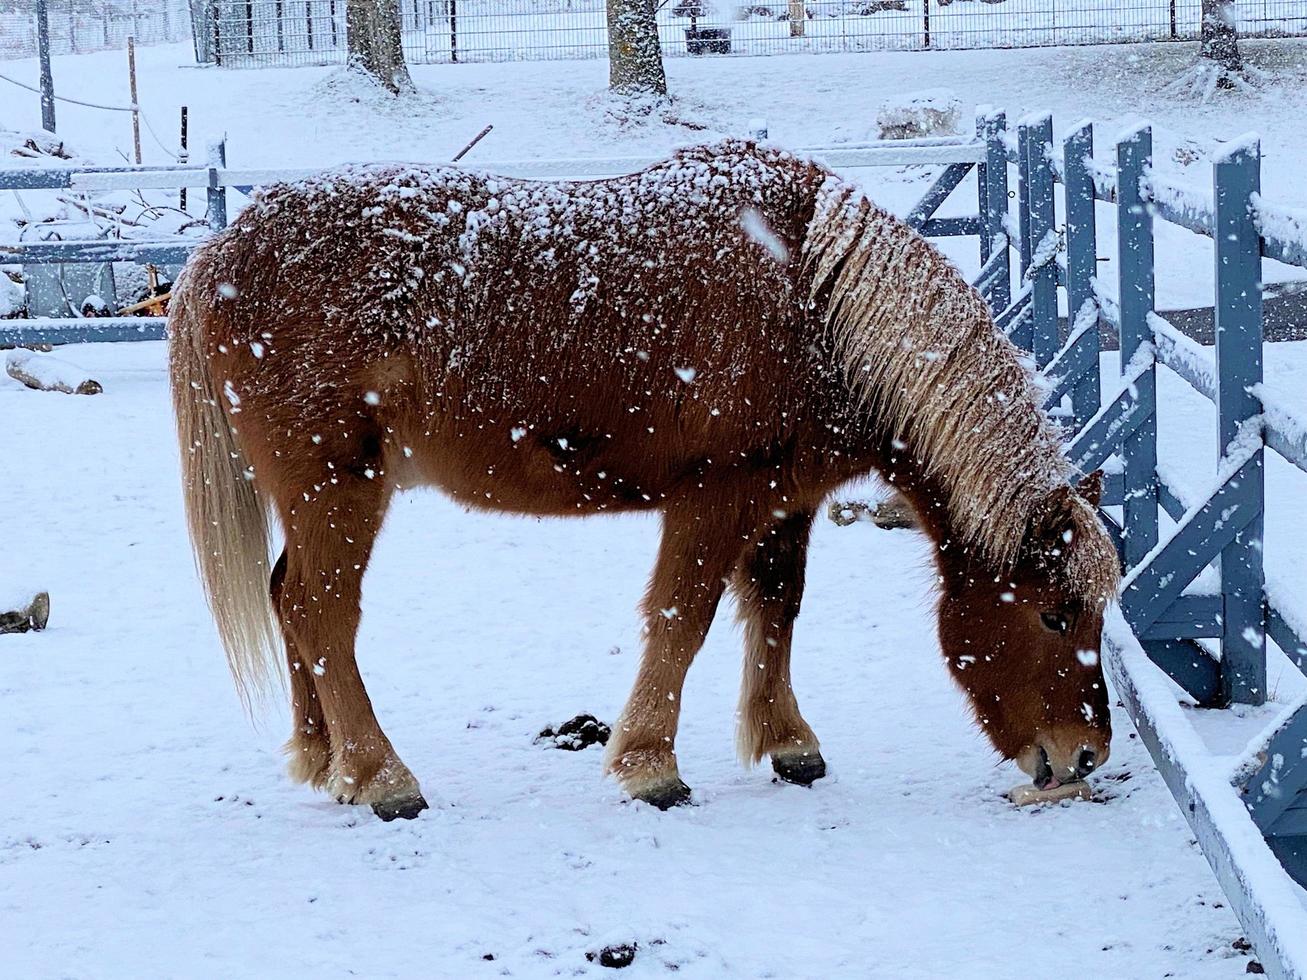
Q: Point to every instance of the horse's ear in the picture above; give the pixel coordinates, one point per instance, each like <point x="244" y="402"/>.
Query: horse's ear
<point x="1053" y="515"/>
<point x="1091" y="488"/>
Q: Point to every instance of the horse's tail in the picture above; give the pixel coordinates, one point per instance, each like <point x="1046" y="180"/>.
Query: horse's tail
<point x="227" y="521"/>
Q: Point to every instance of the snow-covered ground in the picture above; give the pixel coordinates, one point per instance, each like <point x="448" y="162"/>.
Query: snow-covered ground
<point x="280" y="117"/>
<point x="150" y="831"/>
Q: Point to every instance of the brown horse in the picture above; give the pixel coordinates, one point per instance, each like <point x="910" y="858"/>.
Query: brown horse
<point x="725" y="337"/>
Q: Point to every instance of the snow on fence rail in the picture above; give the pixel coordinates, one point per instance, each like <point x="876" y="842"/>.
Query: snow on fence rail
<point x="1283" y="231"/>
<point x="1242" y="822"/>
<point x="1253" y="830"/>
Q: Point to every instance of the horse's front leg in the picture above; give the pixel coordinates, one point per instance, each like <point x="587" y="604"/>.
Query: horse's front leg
<point x="694" y="559"/>
<point x="768" y="584"/>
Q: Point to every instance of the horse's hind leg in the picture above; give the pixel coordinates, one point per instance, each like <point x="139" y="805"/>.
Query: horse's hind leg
<point x="768" y="583"/>
<point x="308" y="750"/>
<point x="329" y="540"/>
<point x="688" y="580"/>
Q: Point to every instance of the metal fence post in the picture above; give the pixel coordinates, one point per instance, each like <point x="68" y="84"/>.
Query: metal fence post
<point x="47" y="78"/>
<point x="1043" y="240"/>
<point x="1134" y="235"/>
<point x="1081" y="263"/>
<point x="1236" y="177"/>
<point x="217" y="193"/>
<point x="995" y="211"/>
<point x="215" y="25"/>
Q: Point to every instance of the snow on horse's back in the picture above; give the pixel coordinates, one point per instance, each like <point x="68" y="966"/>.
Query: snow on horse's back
<point x="725" y="337"/>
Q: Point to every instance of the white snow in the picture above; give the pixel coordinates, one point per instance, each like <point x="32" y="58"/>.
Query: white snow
<point x="1210" y="778"/>
<point x="1191" y="360"/>
<point x="149" y="829"/>
<point x="13" y="297"/>
<point x="156" y="832"/>
<point x="15" y="593"/>
<point x="1284" y="228"/>
<point x="50" y="372"/>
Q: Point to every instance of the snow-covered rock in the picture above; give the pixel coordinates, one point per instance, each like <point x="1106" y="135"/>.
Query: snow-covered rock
<point x="929" y="112"/>
<point x="13" y="297"/>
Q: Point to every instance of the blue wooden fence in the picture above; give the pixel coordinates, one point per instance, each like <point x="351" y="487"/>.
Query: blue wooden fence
<point x="1111" y="425"/>
<point x="1119" y="430"/>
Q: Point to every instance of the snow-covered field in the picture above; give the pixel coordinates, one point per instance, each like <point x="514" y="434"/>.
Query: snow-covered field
<point x="149" y="831"/>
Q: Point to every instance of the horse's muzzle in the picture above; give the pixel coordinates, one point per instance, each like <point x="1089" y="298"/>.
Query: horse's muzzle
<point x="1045" y="777"/>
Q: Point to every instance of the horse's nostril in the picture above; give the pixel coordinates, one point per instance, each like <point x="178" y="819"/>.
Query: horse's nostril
<point x="1085" y="764"/>
<point x="1043" y="771"/>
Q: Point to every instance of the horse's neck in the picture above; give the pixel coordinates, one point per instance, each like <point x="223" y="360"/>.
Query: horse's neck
<point x="929" y="498"/>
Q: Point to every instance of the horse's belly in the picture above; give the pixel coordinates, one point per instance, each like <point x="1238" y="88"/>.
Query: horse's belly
<point x="533" y="470"/>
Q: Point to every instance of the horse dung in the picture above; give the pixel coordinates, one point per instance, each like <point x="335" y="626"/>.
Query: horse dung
<point x="576" y="733"/>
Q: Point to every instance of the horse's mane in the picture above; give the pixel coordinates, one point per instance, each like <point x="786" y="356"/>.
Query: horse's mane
<point x="922" y="353"/>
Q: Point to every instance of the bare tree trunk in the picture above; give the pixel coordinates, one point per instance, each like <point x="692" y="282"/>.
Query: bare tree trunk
<point x="635" y="58"/>
<point x="375" y="42"/>
<point x="1220" y="36"/>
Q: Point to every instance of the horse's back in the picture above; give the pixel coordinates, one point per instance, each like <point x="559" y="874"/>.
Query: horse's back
<point x="548" y="333"/>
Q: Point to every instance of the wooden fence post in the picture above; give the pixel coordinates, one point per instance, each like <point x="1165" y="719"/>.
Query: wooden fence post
<point x="1043" y="240"/>
<point x="1081" y="263"/>
<point x="217" y="193"/>
<point x="994" y="213"/>
<point x="1023" y="195"/>
<point x="1236" y="177"/>
<point x="1134" y="236"/>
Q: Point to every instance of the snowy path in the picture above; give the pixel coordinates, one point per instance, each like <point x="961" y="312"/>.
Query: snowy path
<point x="148" y="831"/>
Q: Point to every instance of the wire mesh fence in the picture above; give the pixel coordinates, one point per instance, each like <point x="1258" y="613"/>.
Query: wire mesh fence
<point x="287" y="32"/>
<point x="81" y="26"/>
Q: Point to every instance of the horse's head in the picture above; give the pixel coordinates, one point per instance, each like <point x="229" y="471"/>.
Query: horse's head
<point x="1024" y="642"/>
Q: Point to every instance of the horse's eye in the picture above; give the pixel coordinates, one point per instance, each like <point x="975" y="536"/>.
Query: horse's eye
<point x="1054" y="621"/>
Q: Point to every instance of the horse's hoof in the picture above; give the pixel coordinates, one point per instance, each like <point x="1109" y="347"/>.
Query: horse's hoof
<point x="802" y="770"/>
<point x="406" y="808"/>
<point x="666" y="795"/>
